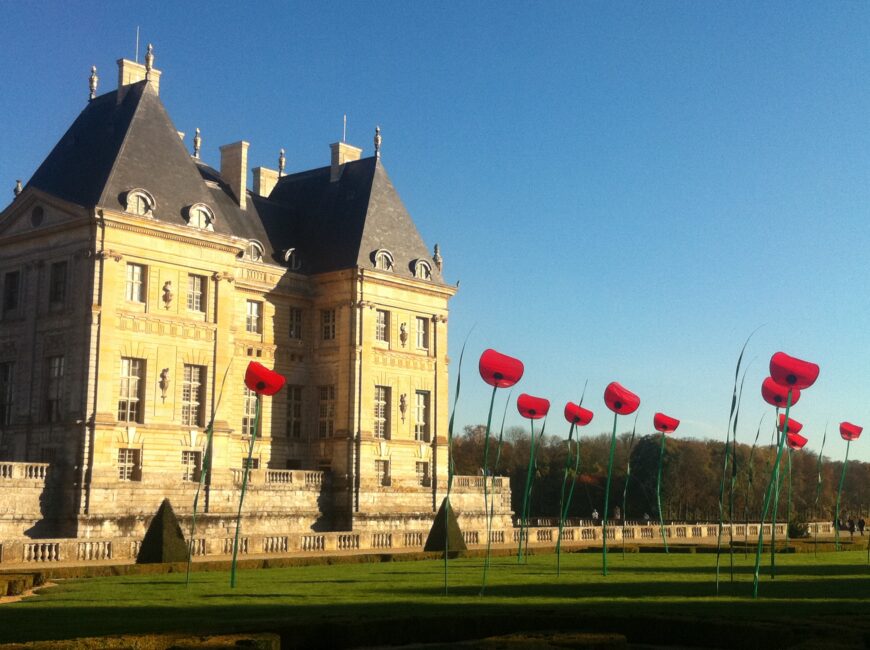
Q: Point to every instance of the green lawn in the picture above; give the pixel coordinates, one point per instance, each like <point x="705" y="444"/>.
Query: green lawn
<point x="651" y="597"/>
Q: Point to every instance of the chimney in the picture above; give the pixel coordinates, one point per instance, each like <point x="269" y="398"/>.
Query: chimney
<point x="234" y="169"/>
<point x="342" y="153"/>
<point x="264" y="180"/>
<point x="130" y="72"/>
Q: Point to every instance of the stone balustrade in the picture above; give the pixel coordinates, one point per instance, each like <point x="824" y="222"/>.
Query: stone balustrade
<point x="85" y="551"/>
<point x="275" y="478"/>
<point x="23" y="471"/>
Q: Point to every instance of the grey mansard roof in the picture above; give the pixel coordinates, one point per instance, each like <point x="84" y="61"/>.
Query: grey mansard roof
<point x="113" y="147"/>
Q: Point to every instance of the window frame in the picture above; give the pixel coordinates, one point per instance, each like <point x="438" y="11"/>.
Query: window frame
<point x="193" y="395"/>
<point x="382" y="472"/>
<point x="327" y="324"/>
<point x="326" y="411"/>
<point x="135" y="290"/>
<point x="422" y="270"/>
<point x="249" y="413"/>
<point x="424" y="479"/>
<point x="383" y="405"/>
<point x="54" y="388"/>
<point x="131" y="403"/>
<point x="7" y="392"/>
<point x="295" y="319"/>
<point x="422" y="428"/>
<point x="191" y="471"/>
<point x="254" y="320"/>
<point x="196" y="293"/>
<point x="384" y="260"/>
<point x="12" y="291"/>
<point x="129" y="464"/>
<point x="382" y="326"/>
<point x="57" y="283"/>
<point x="293" y="415"/>
<point x="422" y="325"/>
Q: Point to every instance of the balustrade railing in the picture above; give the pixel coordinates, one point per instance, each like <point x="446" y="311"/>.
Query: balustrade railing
<point x="27" y="471"/>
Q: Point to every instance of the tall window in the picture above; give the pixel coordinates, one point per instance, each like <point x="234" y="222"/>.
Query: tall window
<point x="250" y="412"/>
<point x="192" y="392"/>
<point x="294" y="411"/>
<point x="191" y="464"/>
<point x="327" y="324"/>
<point x="196" y="292"/>
<point x="421" y="416"/>
<point x="254" y="316"/>
<point x="57" y="284"/>
<point x="6" y="371"/>
<point x="382" y="472"/>
<point x="422" y="333"/>
<point x="326" y="411"/>
<point x="295" y="330"/>
<point x="54" y="389"/>
<point x="129" y="464"/>
<point x="382" y="412"/>
<point x="382" y="326"/>
<point x="132" y="383"/>
<point x="11" y="291"/>
<point x="423" y="474"/>
<point x="383" y="260"/>
<point x="134" y="288"/>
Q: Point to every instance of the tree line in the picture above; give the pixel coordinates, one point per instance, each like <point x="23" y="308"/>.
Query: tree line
<point x="691" y="479"/>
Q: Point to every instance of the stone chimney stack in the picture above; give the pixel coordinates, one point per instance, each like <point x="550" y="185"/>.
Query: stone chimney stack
<point x="264" y="180"/>
<point x="130" y="72"/>
<point x="342" y="153"/>
<point x="234" y="169"/>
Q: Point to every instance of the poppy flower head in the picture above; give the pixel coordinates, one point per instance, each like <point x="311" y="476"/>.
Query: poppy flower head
<point x="777" y="394"/>
<point x="576" y="414"/>
<point x="793" y="425"/>
<point x="532" y="407"/>
<point x="849" y="431"/>
<point x="795" y="440"/>
<point x="664" y="423"/>
<point x="620" y="400"/>
<point x="263" y="381"/>
<point x="791" y="372"/>
<point x="499" y="369"/>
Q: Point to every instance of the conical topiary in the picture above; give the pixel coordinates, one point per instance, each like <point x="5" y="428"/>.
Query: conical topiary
<point x="164" y="541"/>
<point x="436" y="539"/>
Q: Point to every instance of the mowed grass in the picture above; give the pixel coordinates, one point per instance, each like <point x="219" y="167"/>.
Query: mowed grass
<point x="651" y="597"/>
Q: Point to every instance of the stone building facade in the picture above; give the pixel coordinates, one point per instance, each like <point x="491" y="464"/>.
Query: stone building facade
<point x="137" y="284"/>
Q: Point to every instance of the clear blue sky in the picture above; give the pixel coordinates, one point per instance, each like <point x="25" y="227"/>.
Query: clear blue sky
<point x="625" y="190"/>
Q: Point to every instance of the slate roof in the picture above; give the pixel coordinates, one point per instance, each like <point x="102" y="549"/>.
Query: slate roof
<point x="113" y="147"/>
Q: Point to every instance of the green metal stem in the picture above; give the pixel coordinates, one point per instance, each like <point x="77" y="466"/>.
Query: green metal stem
<point x="529" y="478"/>
<point x="607" y="497"/>
<point x="659" y="493"/>
<point x="839" y="493"/>
<point x="767" y="496"/>
<point x="562" y="508"/>
<point x="245" y="473"/>
<point x="485" y="493"/>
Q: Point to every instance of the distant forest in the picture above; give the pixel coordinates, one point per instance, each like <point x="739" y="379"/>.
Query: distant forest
<point x="690" y="483"/>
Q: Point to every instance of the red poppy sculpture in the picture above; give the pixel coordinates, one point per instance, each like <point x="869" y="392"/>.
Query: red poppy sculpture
<point x="577" y="416"/>
<point x="621" y="401"/>
<point x="793" y="425"/>
<point x="788" y="377"/>
<point x="795" y="440"/>
<point x="261" y="381"/>
<point x="663" y="424"/>
<point x="848" y="432"/>
<point x="533" y="408"/>
<point x="499" y="371"/>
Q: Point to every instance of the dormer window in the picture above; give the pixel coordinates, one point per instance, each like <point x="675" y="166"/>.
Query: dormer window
<point x="199" y="215"/>
<point x="139" y="201"/>
<point x="293" y="260"/>
<point x="254" y="251"/>
<point x="422" y="270"/>
<point x="383" y="260"/>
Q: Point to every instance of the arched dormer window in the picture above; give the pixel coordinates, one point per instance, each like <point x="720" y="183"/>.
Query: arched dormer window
<point x="293" y="259"/>
<point x="422" y="270"/>
<point x="254" y="251"/>
<point x="383" y="260"/>
<point x="139" y="201"/>
<point x="199" y="215"/>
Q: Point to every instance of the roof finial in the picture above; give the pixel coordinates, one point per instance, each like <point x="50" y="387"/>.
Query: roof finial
<point x="94" y="81"/>
<point x="436" y="257"/>
<point x="344" y="129"/>
<point x="149" y="61"/>
<point x="17" y="189"/>
<point x="197" y="143"/>
<point x="377" y="142"/>
<point x="281" y="162"/>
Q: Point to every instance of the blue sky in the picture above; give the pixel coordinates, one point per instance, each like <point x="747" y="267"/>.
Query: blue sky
<point x="624" y="190"/>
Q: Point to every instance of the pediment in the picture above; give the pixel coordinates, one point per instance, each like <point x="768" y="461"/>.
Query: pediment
<point x="34" y="210"/>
